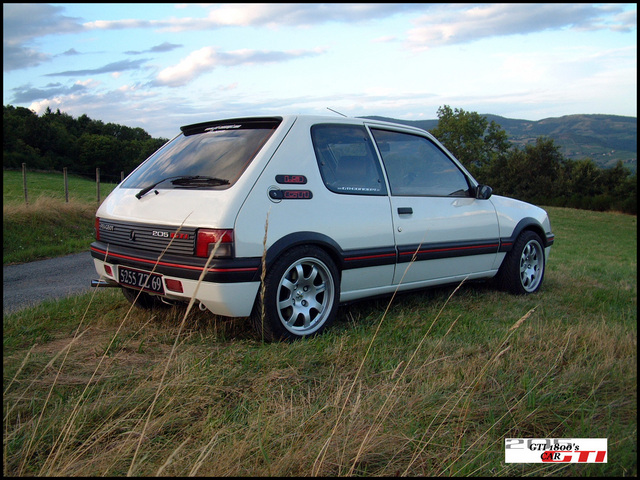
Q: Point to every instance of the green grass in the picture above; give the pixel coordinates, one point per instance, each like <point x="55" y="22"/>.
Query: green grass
<point x="428" y="383"/>
<point x="51" y="185"/>
<point x="47" y="226"/>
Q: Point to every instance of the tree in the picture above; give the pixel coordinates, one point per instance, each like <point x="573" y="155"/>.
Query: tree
<point x="583" y="183"/>
<point x="621" y="188"/>
<point x="100" y="151"/>
<point x="471" y="138"/>
<point x="534" y="173"/>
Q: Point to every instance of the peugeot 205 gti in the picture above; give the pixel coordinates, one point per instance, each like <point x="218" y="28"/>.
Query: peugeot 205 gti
<point x="316" y="210"/>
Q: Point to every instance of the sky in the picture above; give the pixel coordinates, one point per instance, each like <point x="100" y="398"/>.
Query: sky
<point x="160" y="66"/>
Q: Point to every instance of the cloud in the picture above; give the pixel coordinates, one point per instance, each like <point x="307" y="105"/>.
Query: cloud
<point x="163" y="47"/>
<point x="133" y="107"/>
<point x="15" y="57"/>
<point x="306" y="14"/>
<point x="441" y="24"/>
<point x="206" y="59"/>
<point x="267" y="14"/>
<point x="71" y="52"/>
<point x="26" y="93"/>
<point x="461" y="23"/>
<point x="109" y="68"/>
<point x="627" y="21"/>
<point x="21" y="23"/>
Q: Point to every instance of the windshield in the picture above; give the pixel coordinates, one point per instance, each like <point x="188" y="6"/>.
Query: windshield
<point x="217" y="150"/>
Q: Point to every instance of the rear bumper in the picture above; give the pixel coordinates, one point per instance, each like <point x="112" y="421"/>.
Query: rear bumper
<point x="188" y="267"/>
<point x="228" y="288"/>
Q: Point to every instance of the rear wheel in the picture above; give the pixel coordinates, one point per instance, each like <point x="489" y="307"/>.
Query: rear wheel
<point x="300" y="295"/>
<point x="523" y="268"/>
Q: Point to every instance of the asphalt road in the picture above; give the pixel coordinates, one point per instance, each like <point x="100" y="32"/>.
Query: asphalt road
<point x="28" y="284"/>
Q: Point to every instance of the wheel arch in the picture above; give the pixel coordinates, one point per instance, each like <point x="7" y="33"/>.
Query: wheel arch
<point x="292" y="240"/>
<point x="528" y="224"/>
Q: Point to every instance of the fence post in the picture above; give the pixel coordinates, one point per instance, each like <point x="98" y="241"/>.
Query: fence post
<point x="24" y="183"/>
<point x="98" y="184"/>
<point x="121" y="176"/>
<point x="66" y="185"/>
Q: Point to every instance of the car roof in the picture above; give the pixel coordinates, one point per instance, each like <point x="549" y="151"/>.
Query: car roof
<point x="305" y="118"/>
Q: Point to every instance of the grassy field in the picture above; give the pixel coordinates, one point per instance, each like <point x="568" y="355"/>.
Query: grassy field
<point x="47" y="226"/>
<point x="428" y="383"/>
<point x="51" y="185"/>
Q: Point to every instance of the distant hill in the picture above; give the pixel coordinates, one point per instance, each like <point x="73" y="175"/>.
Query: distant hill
<point x="603" y="138"/>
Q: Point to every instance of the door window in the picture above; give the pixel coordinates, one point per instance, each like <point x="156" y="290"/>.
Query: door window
<point x="417" y="167"/>
<point x="347" y="159"/>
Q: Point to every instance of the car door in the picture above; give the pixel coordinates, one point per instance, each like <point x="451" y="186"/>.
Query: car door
<point x="442" y="232"/>
<point x="356" y="206"/>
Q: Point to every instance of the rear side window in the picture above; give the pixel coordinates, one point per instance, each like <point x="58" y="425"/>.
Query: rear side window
<point x="212" y="151"/>
<point x="417" y="167"/>
<point x="347" y="160"/>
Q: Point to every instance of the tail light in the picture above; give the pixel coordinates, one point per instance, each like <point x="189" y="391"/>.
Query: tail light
<point x="207" y="239"/>
<point x="97" y="229"/>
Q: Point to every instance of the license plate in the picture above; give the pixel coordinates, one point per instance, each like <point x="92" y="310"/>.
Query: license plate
<point x="151" y="282"/>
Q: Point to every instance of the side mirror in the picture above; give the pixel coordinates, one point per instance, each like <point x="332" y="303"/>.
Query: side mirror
<point x="483" y="192"/>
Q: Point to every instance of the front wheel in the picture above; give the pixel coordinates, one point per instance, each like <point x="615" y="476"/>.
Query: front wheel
<point x="299" y="297"/>
<point x="523" y="268"/>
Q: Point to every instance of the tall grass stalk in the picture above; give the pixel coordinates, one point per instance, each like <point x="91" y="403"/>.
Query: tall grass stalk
<point x="263" y="274"/>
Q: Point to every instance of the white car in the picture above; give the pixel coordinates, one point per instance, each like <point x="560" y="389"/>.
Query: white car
<point x="318" y="210"/>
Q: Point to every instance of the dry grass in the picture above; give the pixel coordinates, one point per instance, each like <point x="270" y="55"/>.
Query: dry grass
<point x="47" y="204"/>
<point x="45" y="228"/>
<point x="198" y="406"/>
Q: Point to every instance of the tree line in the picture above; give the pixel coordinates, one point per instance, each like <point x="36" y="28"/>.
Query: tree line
<point x="536" y="173"/>
<point x="53" y="141"/>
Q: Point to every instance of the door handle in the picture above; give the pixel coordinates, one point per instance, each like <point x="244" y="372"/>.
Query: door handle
<point x="405" y="210"/>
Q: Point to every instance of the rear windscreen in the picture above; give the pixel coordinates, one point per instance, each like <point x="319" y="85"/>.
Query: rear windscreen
<point x="216" y="151"/>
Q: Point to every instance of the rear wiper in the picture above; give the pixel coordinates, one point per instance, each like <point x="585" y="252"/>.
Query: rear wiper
<point x="185" y="181"/>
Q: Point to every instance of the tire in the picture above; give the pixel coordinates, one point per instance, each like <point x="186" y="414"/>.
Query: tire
<point x="144" y="301"/>
<point x="522" y="270"/>
<point x="300" y="295"/>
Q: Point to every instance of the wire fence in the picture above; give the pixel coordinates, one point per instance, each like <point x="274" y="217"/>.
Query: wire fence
<point x="99" y="178"/>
